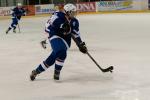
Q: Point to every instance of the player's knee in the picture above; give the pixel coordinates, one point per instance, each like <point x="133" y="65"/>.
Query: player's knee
<point x="51" y="59"/>
<point x="60" y="59"/>
<point x="62" y="55"/>
<point x="13" y="25"/>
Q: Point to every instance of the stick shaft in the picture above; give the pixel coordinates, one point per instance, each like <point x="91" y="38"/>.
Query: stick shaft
<point x="94" y="61"/>
<point x="87" y="53"/>
<point x="109" y="69"/>
<point x="19" y="28"/>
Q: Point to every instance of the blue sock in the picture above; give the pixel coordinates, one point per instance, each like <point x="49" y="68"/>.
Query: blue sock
<point x="40" y="69"/>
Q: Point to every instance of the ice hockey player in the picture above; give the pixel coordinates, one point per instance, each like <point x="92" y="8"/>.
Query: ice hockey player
<point x="16" y="14"/>
<point x="61" y="27"/>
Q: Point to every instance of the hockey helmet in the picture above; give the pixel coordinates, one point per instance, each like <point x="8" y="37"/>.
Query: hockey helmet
<point x="70" y="10"/>
<point x="19" y="4"/>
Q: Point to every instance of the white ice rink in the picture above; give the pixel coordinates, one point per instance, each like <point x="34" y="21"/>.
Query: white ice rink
<point x="121" y="40"/>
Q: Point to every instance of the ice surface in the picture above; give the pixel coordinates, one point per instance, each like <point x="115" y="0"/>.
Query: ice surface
<point x="121" y="40"/>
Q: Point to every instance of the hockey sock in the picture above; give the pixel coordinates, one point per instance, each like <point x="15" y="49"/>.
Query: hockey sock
<point x="8" y="30"/>
<point x="59" y="64"/>
<point x="61" y="56"/>
<point x="42" y="67"/>
<point x="51" y="59"/>
<point x="14" y="28"/>
<point x="47" y="63"/>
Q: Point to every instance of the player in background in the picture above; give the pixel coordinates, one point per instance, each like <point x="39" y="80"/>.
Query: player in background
<point x="16" y="14"/>
<point x="61" y="27"/>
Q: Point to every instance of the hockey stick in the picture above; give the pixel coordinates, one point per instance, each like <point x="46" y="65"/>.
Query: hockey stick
<point x="19" y="27"/>
<point x="109" y="69"/>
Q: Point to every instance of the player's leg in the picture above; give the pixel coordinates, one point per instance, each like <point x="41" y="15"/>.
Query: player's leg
<point x="61" y="56"/>
<point x="13" y="24"/>
<point x="43" y="66"/>
<point x="8" y="29"/>
<point x="60" y="46"/>
<point x="48" y="62"/>
<point x="59" y="51"/>
<point x="14" y="29"/>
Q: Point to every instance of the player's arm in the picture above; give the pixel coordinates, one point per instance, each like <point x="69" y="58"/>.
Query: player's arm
<point x="13" y="12"/>
<point x="23" y="11"/>
<point x="77" y="38"/>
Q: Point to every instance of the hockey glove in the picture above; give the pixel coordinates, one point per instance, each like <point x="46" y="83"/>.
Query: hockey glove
<point x="82" y="47"/>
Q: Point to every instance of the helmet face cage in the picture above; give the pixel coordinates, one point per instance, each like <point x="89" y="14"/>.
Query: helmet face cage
<point x="71" y="14"/>
<point x="70" y="10"/>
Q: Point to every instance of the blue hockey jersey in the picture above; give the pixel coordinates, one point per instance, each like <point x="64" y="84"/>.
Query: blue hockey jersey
<point x="53" y="27"/>
<point x="17" y="13"/>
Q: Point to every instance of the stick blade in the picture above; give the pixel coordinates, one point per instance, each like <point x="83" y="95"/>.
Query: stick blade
<point x="109" y="69"/>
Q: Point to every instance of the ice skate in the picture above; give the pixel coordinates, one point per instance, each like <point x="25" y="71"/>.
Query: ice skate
<point x="33" y="75"/>
<point x="14" y="31"/>
<point x="7" y="31"/>
<point x="56" y="75"/>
